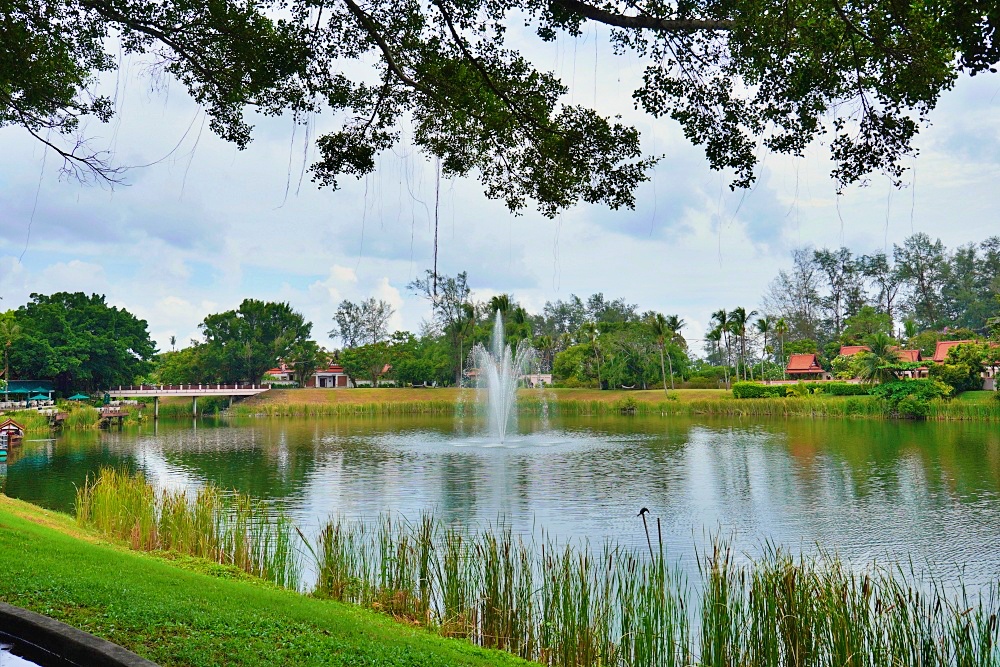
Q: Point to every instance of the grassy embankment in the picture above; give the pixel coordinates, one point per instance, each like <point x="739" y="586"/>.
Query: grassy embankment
<point x="717" y="402"/>
<point x="178" y="610"/>
<point x="974" y="405"/>
<point x="566" y="606"/>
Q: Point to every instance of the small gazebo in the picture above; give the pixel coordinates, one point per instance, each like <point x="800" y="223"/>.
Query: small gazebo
<point x="11" y="433"/>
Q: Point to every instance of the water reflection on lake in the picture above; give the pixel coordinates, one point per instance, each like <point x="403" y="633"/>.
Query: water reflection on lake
<point x="926" y="491"/>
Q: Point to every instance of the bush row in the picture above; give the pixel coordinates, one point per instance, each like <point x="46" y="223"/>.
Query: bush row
<point x="757" y="390"/>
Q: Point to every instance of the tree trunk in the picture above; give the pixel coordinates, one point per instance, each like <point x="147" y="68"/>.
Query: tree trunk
<point x="663" y="373"/>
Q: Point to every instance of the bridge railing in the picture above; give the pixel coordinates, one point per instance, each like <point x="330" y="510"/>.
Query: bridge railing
<point x="190" y="387"/>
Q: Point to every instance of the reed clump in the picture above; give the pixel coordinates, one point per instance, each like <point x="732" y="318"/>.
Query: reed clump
<point x="231" y="529"/>
<point x="572" y="605"/>
<point x="82" y="417"/>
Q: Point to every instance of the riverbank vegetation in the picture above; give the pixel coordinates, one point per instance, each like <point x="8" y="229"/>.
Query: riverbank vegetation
<point x="182" y="611"/>
<point x="578" y="604"/>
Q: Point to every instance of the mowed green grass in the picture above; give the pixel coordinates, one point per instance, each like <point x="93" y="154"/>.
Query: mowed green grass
<point x="192" y="612"/>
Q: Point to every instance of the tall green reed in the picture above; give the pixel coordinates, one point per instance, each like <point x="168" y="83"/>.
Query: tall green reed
<point x="568" y="604"/>
<point x="233" y="530"/>
<point x="571" y="605"/>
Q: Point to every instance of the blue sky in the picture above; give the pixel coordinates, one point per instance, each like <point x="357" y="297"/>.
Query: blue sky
<point x="208" y="225"/>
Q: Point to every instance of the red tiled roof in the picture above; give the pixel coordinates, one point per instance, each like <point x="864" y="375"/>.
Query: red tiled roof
<point x="803" y="363"/>
<point x="851" y="350"/>
<point x="909" y="355"/>
<point x="941" y="350"/>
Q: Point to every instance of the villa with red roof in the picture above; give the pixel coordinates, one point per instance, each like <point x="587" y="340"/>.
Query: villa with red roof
<point x="331" y="377"/>
<point x="944" y="346"/>
<point x="805" y="367"/>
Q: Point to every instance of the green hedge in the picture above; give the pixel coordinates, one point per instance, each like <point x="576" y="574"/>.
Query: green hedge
<point x="838" y="388"/>
<point x="756" y="390"/>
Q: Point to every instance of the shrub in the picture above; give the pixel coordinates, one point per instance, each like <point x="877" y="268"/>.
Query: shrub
<point x="800" y="389"/>
<point x="838" y="388"/>
<point x="756" y="390"/>
<point x="627" y="405"/>
<point x="913" y="407"/>
<point x="894" y="392"/>
<point x="700" y="383"/>
<point x="911" y="398"/>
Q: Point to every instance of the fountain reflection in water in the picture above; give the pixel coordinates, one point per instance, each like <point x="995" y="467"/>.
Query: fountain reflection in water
<point x="499" y="372"/>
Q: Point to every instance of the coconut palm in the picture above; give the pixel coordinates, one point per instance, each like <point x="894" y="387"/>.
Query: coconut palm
<point x="173" y="342"/>
<point x="781" y="330"/>
<point x="676" y="324"/>
<point x="661" y="331"/>
<point x="739" y="320"/>
<point x="500" y="304"/>
<point x="722" y="324"/>
<point x="764" y="328"/>
<point x="876" y="364"/>
<point x="544" y="344"/>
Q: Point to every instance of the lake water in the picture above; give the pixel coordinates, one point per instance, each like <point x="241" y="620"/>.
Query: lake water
<point x="929" y="492"/>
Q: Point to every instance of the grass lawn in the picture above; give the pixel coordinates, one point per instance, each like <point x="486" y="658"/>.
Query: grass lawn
<point x="193" y="612"/>
<point x="977" y="396"/>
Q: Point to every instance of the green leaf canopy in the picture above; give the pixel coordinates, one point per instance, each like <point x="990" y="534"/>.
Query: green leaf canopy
<point x="77" y="340"/>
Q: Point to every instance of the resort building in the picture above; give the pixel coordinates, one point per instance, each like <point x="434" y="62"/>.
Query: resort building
<point x="805" y="367"/>
<point x="909" y="356"/>
<point x="331" y="377"/>
<point x="282" y="373"/>
<point x="944" y="346"/>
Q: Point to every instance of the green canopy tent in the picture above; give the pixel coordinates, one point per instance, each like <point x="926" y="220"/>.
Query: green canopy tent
<point x="19" y="390"/>
<point x="38" y="397"/>
<point x="79" y="397"/>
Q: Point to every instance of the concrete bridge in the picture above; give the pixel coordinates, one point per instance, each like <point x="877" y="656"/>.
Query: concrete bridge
<point x="192" y="391"/>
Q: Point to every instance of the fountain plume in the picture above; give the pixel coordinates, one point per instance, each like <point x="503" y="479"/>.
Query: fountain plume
<point x="499" y="373"/>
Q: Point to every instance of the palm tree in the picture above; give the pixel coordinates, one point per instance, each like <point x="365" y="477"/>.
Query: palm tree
<point x="590" y="334"/>
<point x="764" y="327"/>
<point x="781" y="329"/>
<point x="674" y="326"/>
<point x="876" y="363"/>
<point x="544" y="344"/>
<point x="173" y="342"/>
<point x="661" y="331"/>
<point x="721" y="319"/>
<point x="739" y="319"/>
<point x="500" y="304"/>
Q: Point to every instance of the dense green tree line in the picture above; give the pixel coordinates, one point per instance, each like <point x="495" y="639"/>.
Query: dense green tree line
<point x="918" y="294"/>
<point x="78" y="342"/>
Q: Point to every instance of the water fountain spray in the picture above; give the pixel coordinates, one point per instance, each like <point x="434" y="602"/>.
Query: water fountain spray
<point x="499" y="372"/>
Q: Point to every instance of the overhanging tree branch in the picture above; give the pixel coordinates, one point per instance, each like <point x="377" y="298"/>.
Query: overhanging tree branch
<point x="642" y="22"/>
